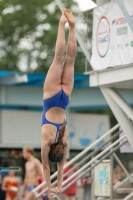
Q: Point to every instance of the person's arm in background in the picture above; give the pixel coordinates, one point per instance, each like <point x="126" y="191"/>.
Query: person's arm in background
<point x="4" y="184"/>
<point x="25" y="182"/>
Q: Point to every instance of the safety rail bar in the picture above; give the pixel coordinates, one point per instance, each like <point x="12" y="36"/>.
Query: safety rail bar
<point x="35" y="191"/>
<point x="87" y="157"/>
<point x="92" y="153"/>
<point x="92" y="160"/>
<point x="97" y="162"/>
<point x="90" y="168"/>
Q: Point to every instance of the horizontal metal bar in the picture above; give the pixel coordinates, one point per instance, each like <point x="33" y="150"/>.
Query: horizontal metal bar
<point x="90" y="162"/>
<point x="92" y="153"/>
<point x="109" y="153"/>
<point x="88" y="156"/>
<point x="121" y="102"/>
<point x="90" y="168"/>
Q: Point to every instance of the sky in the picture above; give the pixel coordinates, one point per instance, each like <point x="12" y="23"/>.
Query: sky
<point x="85" y="4"/>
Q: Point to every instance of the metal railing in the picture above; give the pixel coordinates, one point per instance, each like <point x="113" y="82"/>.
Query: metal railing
<point x="80" y="155"/>
<point x="90" y="168"/>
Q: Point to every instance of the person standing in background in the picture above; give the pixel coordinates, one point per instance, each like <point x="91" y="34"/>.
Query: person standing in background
<point x="10" y="185"/>
<point x="33" y="168"/>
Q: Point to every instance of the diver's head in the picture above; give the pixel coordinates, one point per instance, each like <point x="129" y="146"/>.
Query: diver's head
<point x="56" y="152"/>
<point x="57" y="149"/>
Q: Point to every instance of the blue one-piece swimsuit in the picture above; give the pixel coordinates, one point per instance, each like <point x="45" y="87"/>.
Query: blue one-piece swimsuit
<point x="59" y="100"/>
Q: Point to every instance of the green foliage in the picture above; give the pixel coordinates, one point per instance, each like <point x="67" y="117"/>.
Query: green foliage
<point x="28" y="31"/>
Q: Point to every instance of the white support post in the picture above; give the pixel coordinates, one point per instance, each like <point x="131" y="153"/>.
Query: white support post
<point x="79" y="38"/>
<point x="120" y="101"/>
<point x="120" y="116"/>
<point x="125" y="13"/>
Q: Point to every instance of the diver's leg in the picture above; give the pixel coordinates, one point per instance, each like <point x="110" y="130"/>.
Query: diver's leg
<point x="52" y="82"/>
<point x="67" y="78"/>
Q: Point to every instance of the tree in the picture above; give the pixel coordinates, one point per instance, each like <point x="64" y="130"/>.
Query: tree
<point x="28" y="31"/>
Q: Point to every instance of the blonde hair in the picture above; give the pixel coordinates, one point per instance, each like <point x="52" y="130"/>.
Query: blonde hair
<point x="29" y="149"/>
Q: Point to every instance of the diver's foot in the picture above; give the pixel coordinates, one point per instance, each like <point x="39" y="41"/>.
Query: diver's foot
<point x="69" y="17"/>
<point x="63" y="18"/>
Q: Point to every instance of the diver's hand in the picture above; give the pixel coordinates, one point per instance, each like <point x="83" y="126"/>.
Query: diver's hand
<point x="54" y="191"/>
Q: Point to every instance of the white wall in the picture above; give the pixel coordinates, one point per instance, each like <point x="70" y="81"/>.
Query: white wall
<point x="21" y="128"/>
<point x="84" y="129"/>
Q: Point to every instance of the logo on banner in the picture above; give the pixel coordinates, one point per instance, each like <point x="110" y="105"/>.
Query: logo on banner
<point x="121" y="31"/>
<point x="103" y="36"/>
<point x="119" y="21"/>
<point x="131" y="43"/>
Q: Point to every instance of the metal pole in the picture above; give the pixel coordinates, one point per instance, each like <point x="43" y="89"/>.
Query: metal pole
<point x="93" y="165"/>
<point x="122" y="166"/>
<point x="125" y="13"/>
<point x="92" y="181"/>
<point x="121" y="102"/>
<point x="120" y="116"/>
<point x="129" y="197"/>
<point x="94" y="159"/>
<point x="111" y="185"/>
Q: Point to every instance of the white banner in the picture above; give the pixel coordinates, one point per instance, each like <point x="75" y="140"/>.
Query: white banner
<point x="112" y="42"/>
